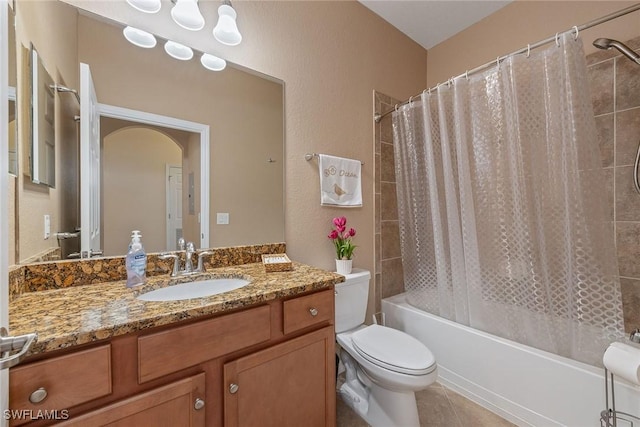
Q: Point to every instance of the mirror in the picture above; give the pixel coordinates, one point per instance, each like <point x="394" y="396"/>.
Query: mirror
<point x="242" y="109"/>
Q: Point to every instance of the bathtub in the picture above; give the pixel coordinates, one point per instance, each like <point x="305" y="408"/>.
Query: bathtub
<point x="524" y="385"/>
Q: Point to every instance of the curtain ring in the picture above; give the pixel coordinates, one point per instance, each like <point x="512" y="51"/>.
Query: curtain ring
<point x="396" y="108"/>
<point x="466" y="74"/>
<point x="528" y="50"/>
<point x="410" y="101"/>
<point x="557" y="40"/>
<point x="429" y="91"/>
<point x="575" y="37"/>
<point x="498" y="61"/>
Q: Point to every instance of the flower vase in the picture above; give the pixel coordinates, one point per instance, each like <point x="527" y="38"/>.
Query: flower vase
<point x="343" y="266"/>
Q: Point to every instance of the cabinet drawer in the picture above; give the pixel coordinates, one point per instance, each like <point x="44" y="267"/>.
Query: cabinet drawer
<point x="68" y="380"/>
<point x="302" y="312"/>
<point x="179" y="348"/>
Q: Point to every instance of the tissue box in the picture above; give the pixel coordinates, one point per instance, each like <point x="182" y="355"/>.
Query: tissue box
<point x="276" y="262"/>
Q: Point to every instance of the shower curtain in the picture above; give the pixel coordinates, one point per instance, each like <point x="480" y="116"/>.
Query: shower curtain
<point x="500" y="199"/>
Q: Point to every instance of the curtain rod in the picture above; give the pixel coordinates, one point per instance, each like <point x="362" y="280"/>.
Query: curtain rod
<point x="378" y="116"/>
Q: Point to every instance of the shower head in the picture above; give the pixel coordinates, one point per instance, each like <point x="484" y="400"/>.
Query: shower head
<point x="624" y="49"/>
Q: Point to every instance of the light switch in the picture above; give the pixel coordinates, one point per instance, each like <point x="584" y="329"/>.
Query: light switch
<point x="47" y="226"/>
<point x="222" y="218"/>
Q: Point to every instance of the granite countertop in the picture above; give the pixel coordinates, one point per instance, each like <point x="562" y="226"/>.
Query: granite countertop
<point x="77" y="315"/>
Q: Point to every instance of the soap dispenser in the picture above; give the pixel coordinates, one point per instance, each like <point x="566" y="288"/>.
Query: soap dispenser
<point x="136" y="261"/>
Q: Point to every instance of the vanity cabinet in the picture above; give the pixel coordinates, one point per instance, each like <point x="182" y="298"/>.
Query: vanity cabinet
<point x="267" y="365"/>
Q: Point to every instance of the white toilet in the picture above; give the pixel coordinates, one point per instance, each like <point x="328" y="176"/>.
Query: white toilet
<point x="384" y="366"/>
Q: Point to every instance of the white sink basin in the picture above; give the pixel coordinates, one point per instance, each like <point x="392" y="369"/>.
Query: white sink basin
<point x="199" y="289"/>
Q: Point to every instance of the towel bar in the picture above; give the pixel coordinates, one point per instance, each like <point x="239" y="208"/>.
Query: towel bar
<point x="310" y="156"/>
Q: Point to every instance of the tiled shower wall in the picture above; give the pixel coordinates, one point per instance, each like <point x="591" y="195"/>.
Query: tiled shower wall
<point x="615" y="89"/>
<point x="388" y="274"/>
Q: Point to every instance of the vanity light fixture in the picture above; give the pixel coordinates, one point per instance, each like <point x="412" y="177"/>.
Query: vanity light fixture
<point x="226" y="30"/>
<point x="212" y="62"/>
<point x="178" y="51"/>
<point x="187" y="14"/>
<point x="146" y="6"/>
<point x="139" y="38"/>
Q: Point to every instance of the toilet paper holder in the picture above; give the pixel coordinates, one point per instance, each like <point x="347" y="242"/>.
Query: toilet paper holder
<point x="610" y="416"/>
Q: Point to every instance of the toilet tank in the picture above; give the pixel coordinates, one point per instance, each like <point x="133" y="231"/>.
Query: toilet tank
<point x="352" y="297"/>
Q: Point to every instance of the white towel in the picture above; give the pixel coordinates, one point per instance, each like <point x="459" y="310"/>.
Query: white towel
<point x="340" y="181"/>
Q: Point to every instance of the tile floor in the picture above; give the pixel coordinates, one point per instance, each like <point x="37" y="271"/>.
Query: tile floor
<point x="438" y="406"/>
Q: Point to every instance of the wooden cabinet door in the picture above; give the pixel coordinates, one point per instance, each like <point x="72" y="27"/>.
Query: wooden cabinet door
<point x="171" y="405"/>
<point x="290" y="384"/>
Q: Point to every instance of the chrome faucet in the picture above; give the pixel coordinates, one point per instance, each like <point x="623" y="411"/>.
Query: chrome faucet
<point x="188" y="264"/>
<point x="176" y="262"/>
<point x="188" y="261"/>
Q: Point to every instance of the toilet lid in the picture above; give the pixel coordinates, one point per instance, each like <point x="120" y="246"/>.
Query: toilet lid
<point x="394" y="350"/>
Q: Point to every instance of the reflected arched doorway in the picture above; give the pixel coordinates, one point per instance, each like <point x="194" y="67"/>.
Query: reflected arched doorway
<point x="141" y="184"/>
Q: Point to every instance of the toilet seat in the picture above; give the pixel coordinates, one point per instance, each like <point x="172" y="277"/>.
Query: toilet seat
<point x="393" y="350"/>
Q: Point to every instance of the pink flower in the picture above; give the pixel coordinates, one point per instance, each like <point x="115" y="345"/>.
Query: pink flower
<point x="340" y="221"/>
<point x="341" y="238"/>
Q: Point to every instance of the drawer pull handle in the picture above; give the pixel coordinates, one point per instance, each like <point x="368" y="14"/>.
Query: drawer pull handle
<point x="38" y="396"/>
<point x="233" y="388"/>
<point x="199" y="404"/>
<point x="313" y="311"/>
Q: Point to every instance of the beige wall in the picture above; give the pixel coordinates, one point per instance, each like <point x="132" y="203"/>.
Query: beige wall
<point x="134" y="188"/>
<point x="57" y="52"/>
<point x="331" y="56"/>
<point x="520" y="23"/>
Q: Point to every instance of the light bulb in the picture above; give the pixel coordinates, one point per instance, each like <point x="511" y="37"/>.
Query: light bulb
<point x="178" y="51"/>
<point x="186" y="14"/>
<point x="212" y="62"/>
<point x="139" y="38"/>
<point x="146" y="6"/>
<point x="226" y="31"/>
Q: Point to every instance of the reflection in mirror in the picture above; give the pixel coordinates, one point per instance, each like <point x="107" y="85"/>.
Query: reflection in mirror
<point x="13" y="148"/>
<point x="13" y="138"/>
<point x="43" y="154"/>
<point x="242" y="109"/>
<point x="156" y="157"/>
